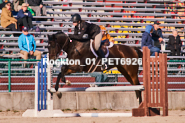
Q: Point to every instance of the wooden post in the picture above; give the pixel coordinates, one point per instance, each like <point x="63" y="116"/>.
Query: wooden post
<point x="164" y="83"/>
<point x="145" y="108"/>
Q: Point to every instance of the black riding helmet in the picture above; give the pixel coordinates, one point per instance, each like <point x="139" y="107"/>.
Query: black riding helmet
<point x="76" y="18"/>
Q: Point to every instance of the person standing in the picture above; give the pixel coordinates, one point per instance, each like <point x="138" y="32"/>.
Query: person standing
<point x="147" y="40"/>
<point x="174" y="43"/>
<point x="37" y="7"/>
<point x="157" y="35"/>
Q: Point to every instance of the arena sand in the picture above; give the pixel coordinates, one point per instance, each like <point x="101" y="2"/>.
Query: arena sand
<point x="175" y="116"/>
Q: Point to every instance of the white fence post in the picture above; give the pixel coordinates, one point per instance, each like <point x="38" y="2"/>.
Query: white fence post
<point x="49" y="84"/>
<point x="36" y="91"/>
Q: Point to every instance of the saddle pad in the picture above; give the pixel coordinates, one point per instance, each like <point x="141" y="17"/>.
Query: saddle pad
<point x="111" y="44"/>
<point x="92" y="50"/>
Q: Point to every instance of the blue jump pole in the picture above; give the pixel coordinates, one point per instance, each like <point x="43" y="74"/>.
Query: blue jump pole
<point x="38" y="86"/>
<point x="45" y="92"/>
<point x="42" y="84"/>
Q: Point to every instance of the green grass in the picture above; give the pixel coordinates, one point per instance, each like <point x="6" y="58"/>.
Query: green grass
<point x="66" y="109"/>
<point x="15" y="111"/>
<point x="8" y="110"/>
<point x="94" y="109"/>
<point x="182" y="109"/>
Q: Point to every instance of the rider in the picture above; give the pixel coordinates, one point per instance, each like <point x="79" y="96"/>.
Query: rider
<point x="105" y="35"/>
<point x="93" y="31"/>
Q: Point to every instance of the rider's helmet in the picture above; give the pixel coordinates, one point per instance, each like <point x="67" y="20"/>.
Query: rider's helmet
<point x="76" y="18"/>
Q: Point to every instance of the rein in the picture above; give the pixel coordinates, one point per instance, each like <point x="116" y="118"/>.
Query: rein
<point x="66" y="42"/>
<point x="68" y="39"/>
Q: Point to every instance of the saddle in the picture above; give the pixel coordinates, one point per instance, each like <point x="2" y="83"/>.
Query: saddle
<point x="104" y="46"/>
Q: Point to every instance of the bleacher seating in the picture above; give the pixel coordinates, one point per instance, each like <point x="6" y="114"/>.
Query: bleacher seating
<point x="127" y="27"/>
<point x="125" y="20"/>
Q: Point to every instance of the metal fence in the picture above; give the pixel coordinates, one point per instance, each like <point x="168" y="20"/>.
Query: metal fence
<point x="19" y="76"/>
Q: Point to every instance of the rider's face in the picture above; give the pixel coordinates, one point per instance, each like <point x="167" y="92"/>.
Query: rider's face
<point x="103" y="32"/>
<point x="75" y="23"/>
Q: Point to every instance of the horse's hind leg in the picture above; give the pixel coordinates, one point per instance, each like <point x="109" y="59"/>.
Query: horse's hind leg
<point x="133" y="79"/>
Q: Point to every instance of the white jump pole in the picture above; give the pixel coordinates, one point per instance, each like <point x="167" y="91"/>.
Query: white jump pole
<point x="36" y="91"/>
<point x="93" y="115"/>
<point x="33" y="112"/>
<point x="95" y="89"/>
<point x="49" y="84"/>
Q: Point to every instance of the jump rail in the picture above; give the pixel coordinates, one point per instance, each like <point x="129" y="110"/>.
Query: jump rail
<point x="154" y="90"/>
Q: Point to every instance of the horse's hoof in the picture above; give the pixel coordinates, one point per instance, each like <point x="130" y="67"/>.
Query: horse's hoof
<point x="68" y="82"/>
<point x="59" y="94"/>
<point x="56" y="88"/>
<point x="93" y="85"/>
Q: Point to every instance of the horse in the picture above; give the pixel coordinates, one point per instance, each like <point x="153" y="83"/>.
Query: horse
<point x="81" y="50"/>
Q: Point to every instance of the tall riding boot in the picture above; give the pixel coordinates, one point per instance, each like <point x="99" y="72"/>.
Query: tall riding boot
<point x="102" y="55"/>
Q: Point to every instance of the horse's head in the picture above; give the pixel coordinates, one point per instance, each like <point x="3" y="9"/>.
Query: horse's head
<point x="56" y="43"/>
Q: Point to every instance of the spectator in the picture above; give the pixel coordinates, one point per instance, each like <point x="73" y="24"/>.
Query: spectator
<point x="18" y="4"/>
<point x="147" y="40"/>
<point x="99" y="77"/>
<point x="25" y="17"/>
<point x="157" y="35"/>
<point x="174" y="43"/>
<point x="105" y="35"/>
<point x="2" y="4"/>
<point x="37" y="7"/>
<point x="7" y="19"/>
<point x="27" y="45"/>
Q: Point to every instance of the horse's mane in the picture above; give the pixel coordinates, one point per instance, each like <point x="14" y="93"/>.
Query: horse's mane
<point x="86" y="42"/>
<point x="58" y="33"/>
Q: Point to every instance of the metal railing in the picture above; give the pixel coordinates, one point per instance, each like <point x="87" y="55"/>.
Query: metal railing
<point x="10" y="69"/>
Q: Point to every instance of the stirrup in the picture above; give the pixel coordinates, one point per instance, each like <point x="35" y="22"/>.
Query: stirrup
<point x="104" y="67"/>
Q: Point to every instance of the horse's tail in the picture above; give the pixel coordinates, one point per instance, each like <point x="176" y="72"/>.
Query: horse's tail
<point x="140" y="54"/>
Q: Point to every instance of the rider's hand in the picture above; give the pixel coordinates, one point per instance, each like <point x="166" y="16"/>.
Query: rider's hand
<point x="160" y="39"/>
<point x="41" y="5"/>
<point x="31" y="52"/>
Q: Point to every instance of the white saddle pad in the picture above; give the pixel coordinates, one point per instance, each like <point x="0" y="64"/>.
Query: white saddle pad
<point x="92" y="50"/>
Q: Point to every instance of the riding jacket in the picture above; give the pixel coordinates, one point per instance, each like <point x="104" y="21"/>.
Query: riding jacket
<point x="147" y="38"/>
<point x="174" y="42"/>
<point x="156" y="35"/>
<point x="85" y="28"/>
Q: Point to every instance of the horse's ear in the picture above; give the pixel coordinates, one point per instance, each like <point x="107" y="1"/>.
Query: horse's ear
<point x="53" y="36"/>
<point x="49" y="37"/>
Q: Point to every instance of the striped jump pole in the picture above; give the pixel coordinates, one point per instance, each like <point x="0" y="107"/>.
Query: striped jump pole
<point x="42" y="85"/>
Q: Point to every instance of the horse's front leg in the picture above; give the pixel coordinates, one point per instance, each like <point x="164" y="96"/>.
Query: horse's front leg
<point x="61" y="75"/>
<point x="65" y="71"/>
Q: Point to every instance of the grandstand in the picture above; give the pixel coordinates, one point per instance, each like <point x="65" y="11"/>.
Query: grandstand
<point x="125" y="20"/>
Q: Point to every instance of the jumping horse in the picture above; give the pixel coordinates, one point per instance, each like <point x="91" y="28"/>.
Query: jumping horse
<point x="81" y="50"/>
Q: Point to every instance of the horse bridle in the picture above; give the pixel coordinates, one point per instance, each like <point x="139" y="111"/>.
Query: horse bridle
<point x="59" y="47"/>
<point x="68" y="38"/>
